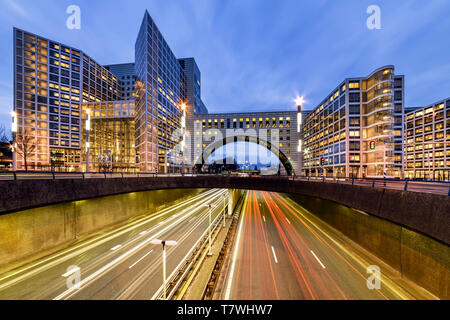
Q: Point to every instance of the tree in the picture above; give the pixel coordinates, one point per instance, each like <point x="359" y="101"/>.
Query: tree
<point x="25" y="147"/>
<point x="5" y="135"/>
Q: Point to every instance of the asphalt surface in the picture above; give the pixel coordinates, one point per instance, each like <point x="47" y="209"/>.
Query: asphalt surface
<point x="119" y="264"/>
<point x="284" y="252"/>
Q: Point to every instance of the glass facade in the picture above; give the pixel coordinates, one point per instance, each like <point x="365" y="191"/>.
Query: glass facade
<point x="51" y="81"/>
<point x="126" y="74"/>
<point x="111" y="136"/>
<point x="427" y="142"/>
<point x="357" y="130"/>
<point x="159" y="95"/>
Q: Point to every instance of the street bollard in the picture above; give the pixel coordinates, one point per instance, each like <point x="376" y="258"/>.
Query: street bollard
<point x="406" y="185"/>
<point x="373" y="183"/>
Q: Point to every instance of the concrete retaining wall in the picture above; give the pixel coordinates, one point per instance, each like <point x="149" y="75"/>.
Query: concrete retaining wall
<point x="32" y="231"/>
<point x="417" y="257"/>
<point x="425" y="213"/>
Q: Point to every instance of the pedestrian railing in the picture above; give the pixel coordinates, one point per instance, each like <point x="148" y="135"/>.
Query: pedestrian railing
<point x="427" y="186"/>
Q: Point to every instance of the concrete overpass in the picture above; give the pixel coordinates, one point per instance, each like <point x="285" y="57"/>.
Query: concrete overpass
<point x="408" y="230"/>
<point x="423" y="212"/>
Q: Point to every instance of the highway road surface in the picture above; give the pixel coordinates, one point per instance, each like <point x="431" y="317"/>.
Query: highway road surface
<point x="119" y="264"/>
<point x="284" y="252"/>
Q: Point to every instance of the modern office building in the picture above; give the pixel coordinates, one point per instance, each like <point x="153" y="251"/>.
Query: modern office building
<point x="111" y="137"/>
<point x="427" y="142"/>
<point x="149" y="115"/>
<point x="51" y="81"/>
<point x="193" y="104"/>
<point x="159" y="96"/>
<point x="277" y="131"/>
<point x="358" y="129"/>
<point x="126" y="74"/>
<point x="192" y="85"/>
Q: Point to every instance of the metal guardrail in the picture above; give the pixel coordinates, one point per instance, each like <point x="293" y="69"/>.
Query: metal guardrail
<point x="181" y="271"/>
<point x="436" y="187"/>
<point x="427" y="186"/>
<point x="210" y="287"/>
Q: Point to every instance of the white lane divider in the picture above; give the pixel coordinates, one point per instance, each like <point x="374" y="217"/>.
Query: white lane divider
<point x="235" y="252"/>
<point x="75" y="251"/>
<point x="71" y="271"/>
<point x="116" y="247"/>
<point x="140" y="259"/>
<point x="122" y="257"/>
<point x="274" y="255"/>
<point x="264" y="218"/>
<point x="143" y="232"/>
<point x="288" y="220"/>
<point x="317" y="259"/>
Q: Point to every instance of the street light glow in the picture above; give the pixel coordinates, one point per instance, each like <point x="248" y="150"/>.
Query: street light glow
<point x="299" y="101"/>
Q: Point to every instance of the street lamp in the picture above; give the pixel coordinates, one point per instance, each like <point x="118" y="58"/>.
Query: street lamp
<point x="88" y="128"/>
<point x="224" y="208"/>
<point x="299" y="101"/>
<point x="14" y="131"/>
<point x="210" y="206"/>
<point x="169" y="243"/>
<point x="183" y="129"/>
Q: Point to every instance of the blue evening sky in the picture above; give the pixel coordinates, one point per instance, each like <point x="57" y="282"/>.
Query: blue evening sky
<point x="254" y="54"/>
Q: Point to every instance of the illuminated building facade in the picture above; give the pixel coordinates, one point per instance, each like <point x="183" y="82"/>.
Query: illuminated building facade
<point x="127" y="77"/>
<point x="159" y="96"/>
<point x="277" y="131"/>
<point x="427" y="142"/>
<point x="51" y="81"/>
<point x="357" y="130"/>
<point x="111" y="138"/>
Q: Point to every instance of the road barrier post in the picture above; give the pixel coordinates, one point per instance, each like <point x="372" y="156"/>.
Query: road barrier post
<point x="406" y="185"/>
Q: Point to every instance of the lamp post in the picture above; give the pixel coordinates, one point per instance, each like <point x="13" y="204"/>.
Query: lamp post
<point x="183" y="129"/>
<point x="299" y="101"/>
<point x="210" y="206"/>
<point x="88" y="129"/>
<point x="164" y="243"/>
<point x="224" y="208"/>
<point x="14" y="131"/>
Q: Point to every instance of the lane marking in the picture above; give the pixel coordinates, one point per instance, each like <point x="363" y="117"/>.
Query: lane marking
<point x="236" y="249"/>
<point x="288" y="220"/>
<point x="264" y="218"/>
<point x="45" y="264"/>
<point x="318" y="259"/>
<point x="143" y="232"/>
<point x="116" y="247"/>
<point x="274" y="255"/>
<point x="85" y="246"/>
<point x="140" y="259"/>
<point x="68" y="273"/>
<point x="122" y="257"/>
